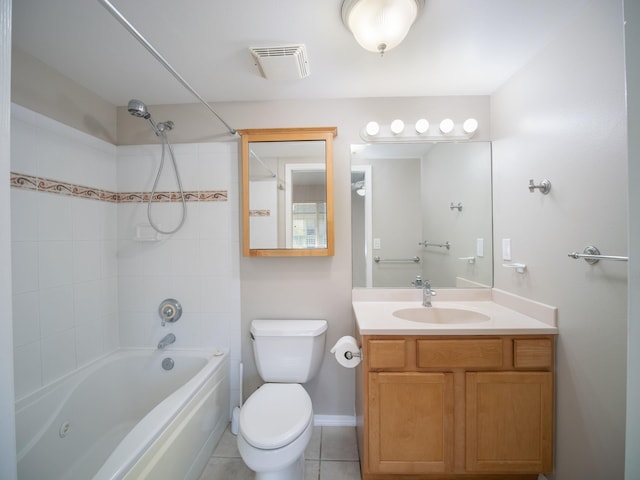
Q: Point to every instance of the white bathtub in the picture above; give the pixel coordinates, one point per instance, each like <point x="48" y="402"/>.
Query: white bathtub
<point x="124" y="416"/>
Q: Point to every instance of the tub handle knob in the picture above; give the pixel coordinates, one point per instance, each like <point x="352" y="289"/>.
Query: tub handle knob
<point x="170" y="311"/>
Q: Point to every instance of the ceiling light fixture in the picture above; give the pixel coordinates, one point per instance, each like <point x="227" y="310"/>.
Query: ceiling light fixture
<point x="380" y="25"/>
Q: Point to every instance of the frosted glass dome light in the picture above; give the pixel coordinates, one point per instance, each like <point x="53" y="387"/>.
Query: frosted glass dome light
<point x="380" y="25"/>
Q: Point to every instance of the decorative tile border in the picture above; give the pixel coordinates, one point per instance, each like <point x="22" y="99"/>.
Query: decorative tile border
<point x="259" y="213"/>
<point x="29" y="182"/>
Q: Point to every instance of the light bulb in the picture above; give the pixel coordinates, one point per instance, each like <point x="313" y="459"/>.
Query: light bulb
<point x="397" y="126"/>
<point x="372" y="128"/>
<point x="422" y="126"/>
<point x="446" y="125"/>
<point x="470" y="125"/>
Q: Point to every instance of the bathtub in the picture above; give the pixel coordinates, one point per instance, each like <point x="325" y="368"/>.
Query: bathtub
<point x="126" y="417"/>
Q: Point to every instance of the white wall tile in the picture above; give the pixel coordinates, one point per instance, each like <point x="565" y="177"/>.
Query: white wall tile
<point x="58" y="355"/>
<point x="27" y="368"/>
<point x="55" y="263"/>
<point x="185" y="257"/>
<point x="87" y="261"/>
<point x="137" y="329"/>
<point x="88" y="219"/>
<point x="24" y="267"/>
<point x="186" y="289"/>
<point x="214" y="220"/>
<point x="24" y="151"/>
<point x="56" y="309"/>
<point x="90" y="341"/>
<point x="24" y="215"/>
<point x="109" y="259"/>
<point x="26" y="318"/>
<point x="216" y="294"/>
<point x="54" y="217"/>
<point x="88" y="301"/>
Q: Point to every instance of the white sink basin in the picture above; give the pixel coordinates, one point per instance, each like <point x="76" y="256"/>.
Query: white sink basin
<point x="440" y="315"/>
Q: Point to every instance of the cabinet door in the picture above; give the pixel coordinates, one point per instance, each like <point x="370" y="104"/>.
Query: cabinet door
<point x="410" y="422"/>
<point x="509" y="422"/>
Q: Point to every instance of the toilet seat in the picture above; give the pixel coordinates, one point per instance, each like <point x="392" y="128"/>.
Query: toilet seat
<point x="275" y="415"/>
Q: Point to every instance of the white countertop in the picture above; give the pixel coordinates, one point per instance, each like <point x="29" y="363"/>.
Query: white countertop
<point x="376" y="317"/>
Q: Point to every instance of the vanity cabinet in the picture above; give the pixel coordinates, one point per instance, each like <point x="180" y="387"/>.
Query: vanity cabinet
<point x="433" y="407"/>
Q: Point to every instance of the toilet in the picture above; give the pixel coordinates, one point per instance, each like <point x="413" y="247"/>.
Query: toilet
<point x="276" y="421"/>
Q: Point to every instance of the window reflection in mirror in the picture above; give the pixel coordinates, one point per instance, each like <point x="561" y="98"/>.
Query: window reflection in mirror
<point x="287" y="192"/>
<point x="405" y="194"/>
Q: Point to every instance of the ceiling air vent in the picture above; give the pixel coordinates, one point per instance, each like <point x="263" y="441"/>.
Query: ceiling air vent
<point x="286" y="62"/>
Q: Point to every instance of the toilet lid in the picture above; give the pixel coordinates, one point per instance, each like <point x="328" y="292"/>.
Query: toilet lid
<point x="275" y="415"/>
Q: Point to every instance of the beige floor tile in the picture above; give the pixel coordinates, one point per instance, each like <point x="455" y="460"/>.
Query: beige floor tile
<point x="226" y="469"/>
<point x="332" y="454"/>
<point x="339" y="443"/>
<point x="311" y="469"/>
<point x="312" y="451"/>
<point x="330" y="470"/>
<point x="227" y="446"/>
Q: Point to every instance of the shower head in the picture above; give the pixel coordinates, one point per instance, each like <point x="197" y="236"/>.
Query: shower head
<point x="138" y="109"/>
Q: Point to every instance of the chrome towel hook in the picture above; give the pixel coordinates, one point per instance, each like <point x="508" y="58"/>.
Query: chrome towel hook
<point x="544" y="187"/>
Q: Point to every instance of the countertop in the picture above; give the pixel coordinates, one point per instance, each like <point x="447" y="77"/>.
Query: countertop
<point x="375" y="317"/>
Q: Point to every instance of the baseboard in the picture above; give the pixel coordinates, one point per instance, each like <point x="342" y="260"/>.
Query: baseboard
<point x="334" y="420"/>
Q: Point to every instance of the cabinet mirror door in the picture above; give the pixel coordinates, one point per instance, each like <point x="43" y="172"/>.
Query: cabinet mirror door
<point x="287" y="191"/>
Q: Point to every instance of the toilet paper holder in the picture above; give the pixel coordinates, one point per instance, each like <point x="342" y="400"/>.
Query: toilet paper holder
<point x="349" y="355"/>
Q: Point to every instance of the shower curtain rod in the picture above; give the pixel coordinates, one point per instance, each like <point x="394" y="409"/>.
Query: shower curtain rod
<point x="138" y="36"/>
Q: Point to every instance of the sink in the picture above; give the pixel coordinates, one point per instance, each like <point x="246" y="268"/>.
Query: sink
<point x="447" y="316"/>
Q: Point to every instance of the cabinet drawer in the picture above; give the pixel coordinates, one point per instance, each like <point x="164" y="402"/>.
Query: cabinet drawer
<point x="387" y="353"/>
<point x="533" y="353"/>
<point x="472" y="353"/>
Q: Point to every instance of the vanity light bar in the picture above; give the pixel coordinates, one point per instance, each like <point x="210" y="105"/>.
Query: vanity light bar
<point x="396" y="132"/>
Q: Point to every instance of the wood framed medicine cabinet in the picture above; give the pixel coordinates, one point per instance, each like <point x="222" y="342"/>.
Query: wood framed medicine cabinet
<point x="287" y="192"/>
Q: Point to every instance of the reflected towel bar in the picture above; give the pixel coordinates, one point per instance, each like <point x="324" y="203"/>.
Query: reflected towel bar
<point x="396" y="260"/>
<point x="426" y="243"/>
<point x="592" y="256"/>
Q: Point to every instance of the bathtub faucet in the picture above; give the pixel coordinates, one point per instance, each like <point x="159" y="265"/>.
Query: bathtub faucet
<point x="166" y="341"/>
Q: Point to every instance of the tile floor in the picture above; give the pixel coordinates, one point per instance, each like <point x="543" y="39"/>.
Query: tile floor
<point x="332" y="454"/>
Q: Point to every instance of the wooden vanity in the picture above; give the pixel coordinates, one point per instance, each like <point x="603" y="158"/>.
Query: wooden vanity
<point x="455" y="406"/>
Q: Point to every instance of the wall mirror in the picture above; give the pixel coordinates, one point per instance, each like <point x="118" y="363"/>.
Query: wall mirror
<point x="422" y="210"/>
<point x="287" y="192"/>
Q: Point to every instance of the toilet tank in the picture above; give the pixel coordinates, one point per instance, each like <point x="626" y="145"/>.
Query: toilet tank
<point x="288" y="351"/>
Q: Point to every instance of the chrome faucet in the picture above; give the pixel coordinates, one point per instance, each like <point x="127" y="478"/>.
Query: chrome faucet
<point x="427" y="293"/>
<point x="167" y="340"/>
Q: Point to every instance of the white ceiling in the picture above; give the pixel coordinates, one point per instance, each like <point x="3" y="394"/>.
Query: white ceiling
<point x="456" y="47"/>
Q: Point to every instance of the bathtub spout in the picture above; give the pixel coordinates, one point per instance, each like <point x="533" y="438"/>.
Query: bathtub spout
<point x="166" y="341"/>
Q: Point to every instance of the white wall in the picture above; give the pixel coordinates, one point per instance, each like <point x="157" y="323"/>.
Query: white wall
<point x="198" y="265"/>
<point x="7" y="422"/>
<point x="562" y="117"/>
<point x="63" y="252"/>
<point x="83" y="285"/>
<point x="632" y="45"/>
